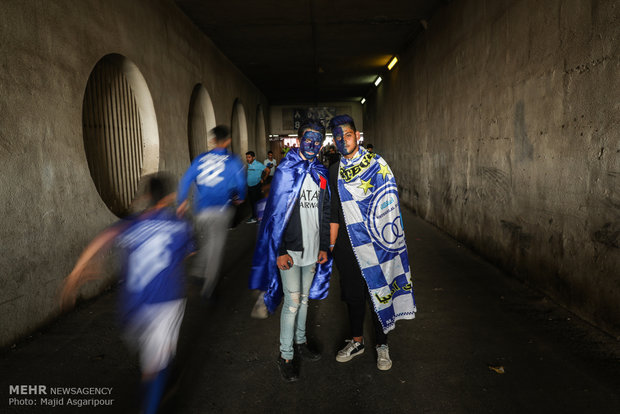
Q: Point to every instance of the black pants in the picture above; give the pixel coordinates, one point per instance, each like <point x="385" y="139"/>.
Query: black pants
<point x="354" y="292"/>
<point x="254" y="195"/>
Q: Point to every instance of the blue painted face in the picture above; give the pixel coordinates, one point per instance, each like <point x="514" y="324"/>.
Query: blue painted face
<point x="310" y="144"/>
<point x="342" y="136"/>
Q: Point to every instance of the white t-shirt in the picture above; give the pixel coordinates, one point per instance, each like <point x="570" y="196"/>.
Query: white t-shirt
<point x="309" y="214"/>
<point x="273" y="162"/>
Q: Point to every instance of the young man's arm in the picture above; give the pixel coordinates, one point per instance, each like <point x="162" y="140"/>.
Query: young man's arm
<point x="334" y="224"/>
<point x="325" y="236"/>
<point x="284" y="260"/>
<point x="79" y="275"/>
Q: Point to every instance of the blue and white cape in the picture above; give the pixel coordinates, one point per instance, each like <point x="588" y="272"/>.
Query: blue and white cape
<point x="371" y="208"/>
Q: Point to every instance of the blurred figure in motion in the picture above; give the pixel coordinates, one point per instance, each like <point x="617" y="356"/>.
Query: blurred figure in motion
<point x="220" y="182"/>
<point x="153" y="246"/>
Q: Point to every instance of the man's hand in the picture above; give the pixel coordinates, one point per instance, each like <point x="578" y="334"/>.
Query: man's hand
<point x="322" y="257"/>
<point x="285" y="262"/>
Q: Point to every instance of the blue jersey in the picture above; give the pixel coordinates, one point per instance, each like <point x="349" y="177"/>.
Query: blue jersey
<point x="155" y="245"/>
<point x="218" y="176"/>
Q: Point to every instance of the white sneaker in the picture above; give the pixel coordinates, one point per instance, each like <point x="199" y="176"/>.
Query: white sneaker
<point x="259" y="311"/>
<point x="383" y="358"/>
<point x="351" y="350"/>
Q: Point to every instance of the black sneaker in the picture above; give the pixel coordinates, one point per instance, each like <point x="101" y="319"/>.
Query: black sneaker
<point x="288" y="370"/>
<point x="307" y="352"/>
<point x="352" y="349"/>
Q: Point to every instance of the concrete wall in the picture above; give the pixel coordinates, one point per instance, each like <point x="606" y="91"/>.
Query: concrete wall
<point x="509" y="113"/>
<point x="50" y="206"/>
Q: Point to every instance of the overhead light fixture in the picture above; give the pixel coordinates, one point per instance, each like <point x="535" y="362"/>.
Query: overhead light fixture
<point x="392" y="63"/>
<point x="363" y="100"/>
<point x="378" y="81"/>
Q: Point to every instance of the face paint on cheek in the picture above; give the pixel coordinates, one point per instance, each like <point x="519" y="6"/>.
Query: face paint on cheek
<point x="341" y="147"/>
<point x="340" y="144"/>
<point x="310" y="149"/>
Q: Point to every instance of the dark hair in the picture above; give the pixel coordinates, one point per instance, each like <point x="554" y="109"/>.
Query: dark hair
<point x="221" y="133"/>
<point x="269" y="152"/>
<point x="311" y="124"/>
<point x="159" y="186"/>
<point x="251" y="153"/>
<point x="342" y="120"/>
<point x="369" y="146"/>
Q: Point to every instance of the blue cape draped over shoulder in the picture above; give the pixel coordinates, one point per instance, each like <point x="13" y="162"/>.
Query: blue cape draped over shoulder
<point x="283" y="195"/>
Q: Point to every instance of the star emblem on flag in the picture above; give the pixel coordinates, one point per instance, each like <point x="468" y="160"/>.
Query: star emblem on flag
<point x="365" y="185"/>
<point x="384" y="171"/>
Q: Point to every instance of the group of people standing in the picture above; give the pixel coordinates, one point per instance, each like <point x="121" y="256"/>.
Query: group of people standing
<point x="350" y="215"/>
<point x="312" y="217"/>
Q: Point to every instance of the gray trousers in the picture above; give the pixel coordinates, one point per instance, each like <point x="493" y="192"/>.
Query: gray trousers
<point x="212" y="229"/>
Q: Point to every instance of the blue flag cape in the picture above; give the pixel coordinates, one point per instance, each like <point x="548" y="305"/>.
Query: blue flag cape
<point x="283" y="195"/>
<point x="371" y="208"/>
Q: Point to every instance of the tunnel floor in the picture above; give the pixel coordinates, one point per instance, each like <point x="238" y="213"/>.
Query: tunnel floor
<point x="482" y="342"/>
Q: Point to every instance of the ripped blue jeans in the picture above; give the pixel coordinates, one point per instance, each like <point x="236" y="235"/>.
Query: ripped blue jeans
<point x="296" y="283"/>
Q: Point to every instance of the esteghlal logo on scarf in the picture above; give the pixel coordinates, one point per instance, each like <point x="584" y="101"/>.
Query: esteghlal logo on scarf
<point x="386" y="203"/>
<point x="350" y="173"/>
<point x="384" y="220"/>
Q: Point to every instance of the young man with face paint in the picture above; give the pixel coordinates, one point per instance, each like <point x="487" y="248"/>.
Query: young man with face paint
<point x="291" y="259"/>
<point x="367" y="240"/>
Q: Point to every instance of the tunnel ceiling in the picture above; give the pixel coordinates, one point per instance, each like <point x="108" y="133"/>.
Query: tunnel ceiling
<point x="310" y="51"/>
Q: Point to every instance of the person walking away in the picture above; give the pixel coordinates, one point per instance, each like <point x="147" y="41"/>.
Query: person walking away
<point x="219" y="180"/>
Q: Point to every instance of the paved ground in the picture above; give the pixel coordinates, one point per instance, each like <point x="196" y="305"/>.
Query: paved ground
<point x="472" y="322"/>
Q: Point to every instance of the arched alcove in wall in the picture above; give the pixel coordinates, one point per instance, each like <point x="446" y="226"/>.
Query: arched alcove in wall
<point x="200" y="121"/>
<point x="121" y="138"/>
<point x="239" y="130"/>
